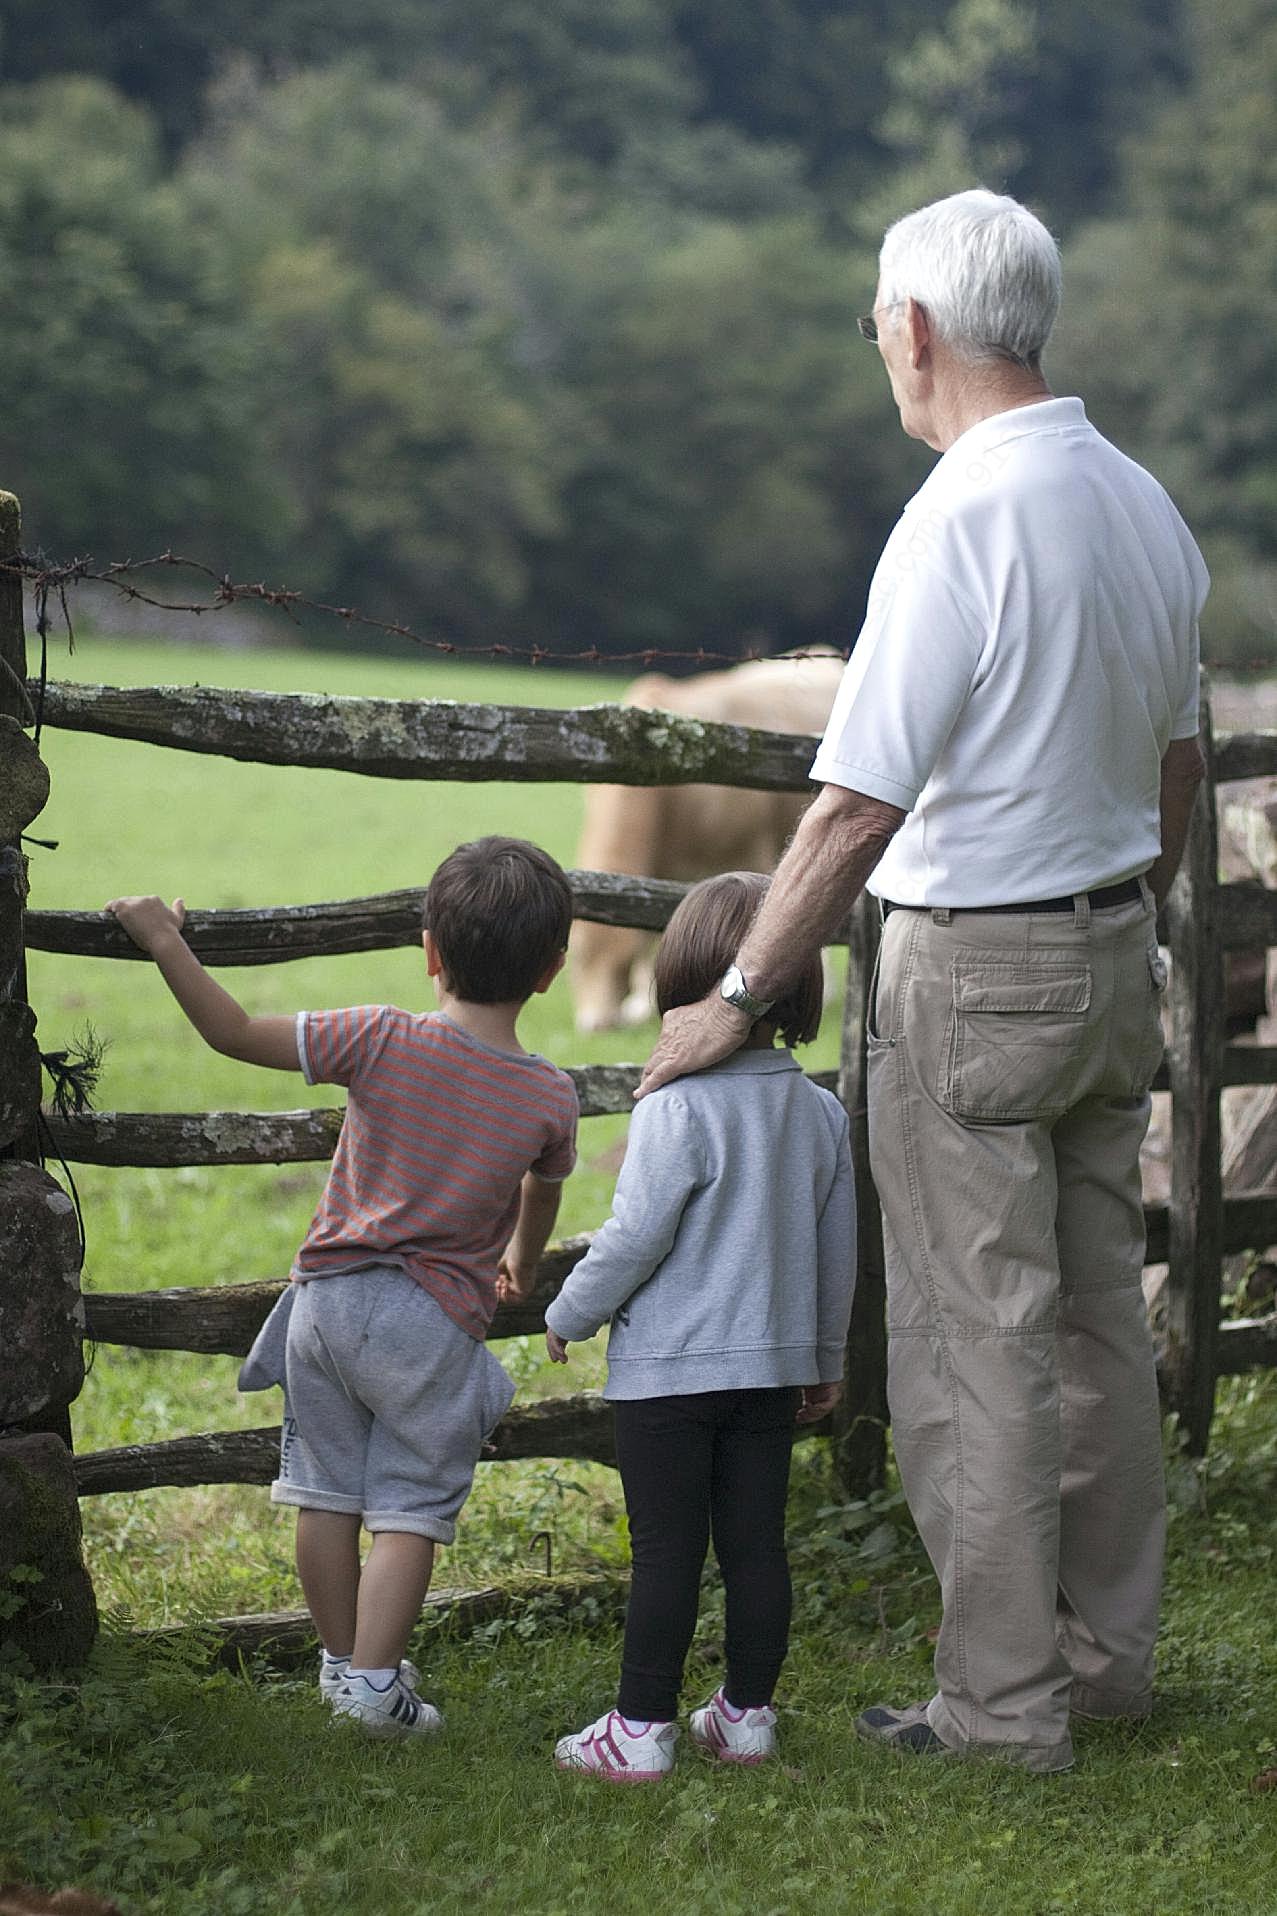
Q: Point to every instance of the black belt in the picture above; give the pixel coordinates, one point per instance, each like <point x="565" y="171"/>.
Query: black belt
<point x="1124" y="894"/>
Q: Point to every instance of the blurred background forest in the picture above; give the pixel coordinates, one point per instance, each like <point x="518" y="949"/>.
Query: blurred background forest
<point x="531" y="321"/>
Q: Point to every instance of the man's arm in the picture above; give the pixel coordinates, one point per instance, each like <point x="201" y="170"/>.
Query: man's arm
<point x="221" y="1020"/>
<point x="1183" y="769"/>
<point x="840" y="838"/>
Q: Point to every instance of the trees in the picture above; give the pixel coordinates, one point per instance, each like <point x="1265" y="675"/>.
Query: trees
<point x="534" y="319"/>
<point x="123" y="416"/>
<point x="1167" y="325"/>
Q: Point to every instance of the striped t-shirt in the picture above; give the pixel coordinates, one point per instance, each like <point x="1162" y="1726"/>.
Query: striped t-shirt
<point x="439" y="1132"/>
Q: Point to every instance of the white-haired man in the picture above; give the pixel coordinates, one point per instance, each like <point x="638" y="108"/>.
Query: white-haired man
<point x="1013" y="757"/>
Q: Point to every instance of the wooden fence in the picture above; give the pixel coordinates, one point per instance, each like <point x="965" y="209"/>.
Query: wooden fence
<point x="1205" y="920"/>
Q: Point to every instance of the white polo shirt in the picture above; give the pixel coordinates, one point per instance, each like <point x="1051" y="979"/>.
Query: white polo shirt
<point x="1029" y="650"/>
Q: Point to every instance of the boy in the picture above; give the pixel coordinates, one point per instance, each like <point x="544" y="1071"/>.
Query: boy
<point x="443" y="1191"/>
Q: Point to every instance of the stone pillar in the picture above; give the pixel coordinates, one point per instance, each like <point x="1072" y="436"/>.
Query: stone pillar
<point x="47" y="1608"/>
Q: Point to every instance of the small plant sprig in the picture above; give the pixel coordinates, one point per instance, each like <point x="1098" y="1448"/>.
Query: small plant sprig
<point x="74" y="1072"/>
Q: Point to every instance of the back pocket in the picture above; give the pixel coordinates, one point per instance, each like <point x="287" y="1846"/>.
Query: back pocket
<point x="1016" y="1039"/>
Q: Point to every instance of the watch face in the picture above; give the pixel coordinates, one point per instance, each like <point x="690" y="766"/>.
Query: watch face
<point x="736" y="992"/>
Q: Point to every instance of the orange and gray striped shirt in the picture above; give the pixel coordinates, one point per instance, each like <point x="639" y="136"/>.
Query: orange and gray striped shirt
<point x="439" y="1131"/>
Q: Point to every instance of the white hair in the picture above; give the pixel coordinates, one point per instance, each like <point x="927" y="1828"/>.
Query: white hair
<point x="984" y="269"/>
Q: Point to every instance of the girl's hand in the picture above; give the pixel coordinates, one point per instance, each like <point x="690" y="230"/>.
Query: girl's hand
<point x="557" y="1348"/>
<point x="818" y="1401"/>
<point x="148" y="920"/>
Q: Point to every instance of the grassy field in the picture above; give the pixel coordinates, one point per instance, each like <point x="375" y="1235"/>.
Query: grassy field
<point x="184" y="1794"/>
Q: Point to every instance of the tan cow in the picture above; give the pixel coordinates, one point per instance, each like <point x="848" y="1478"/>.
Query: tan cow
<point x="689" y="831"/>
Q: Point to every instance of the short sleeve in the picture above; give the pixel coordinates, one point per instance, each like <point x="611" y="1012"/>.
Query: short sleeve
<point x="907" y="680"/>
<point x="556" y="1161"/>
<point x="1187" y="721"/>
<point x="335" y="1046"/>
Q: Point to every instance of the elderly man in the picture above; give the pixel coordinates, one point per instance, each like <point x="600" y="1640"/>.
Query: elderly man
<point x="1013" y="757"/>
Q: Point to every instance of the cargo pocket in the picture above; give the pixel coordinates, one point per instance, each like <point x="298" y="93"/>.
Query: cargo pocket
<point x="1016" y="1040"/>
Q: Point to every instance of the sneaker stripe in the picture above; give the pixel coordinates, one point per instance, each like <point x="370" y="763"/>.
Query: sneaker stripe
<point x="615" y="1758"/>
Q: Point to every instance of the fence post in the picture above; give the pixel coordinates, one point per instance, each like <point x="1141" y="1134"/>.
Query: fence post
<point x="1196" y="1068"/>
<point x="23" y="789"/>
<point x="860" y="1422"/>
<point x="48" y="1609"/>
<point x="41" y="1316"/>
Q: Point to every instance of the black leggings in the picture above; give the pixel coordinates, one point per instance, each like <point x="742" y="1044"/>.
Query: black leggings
<point x="717" y="1460"/>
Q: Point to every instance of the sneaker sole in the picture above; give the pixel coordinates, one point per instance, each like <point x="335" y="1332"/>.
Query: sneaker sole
<point x="386" y="1732"/>
<point x="719" y="1753"/>
<point x="565" y="1763"/>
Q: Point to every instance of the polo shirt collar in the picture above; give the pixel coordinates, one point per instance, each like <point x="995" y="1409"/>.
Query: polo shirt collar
<point x="1045" y="416"/>
<point x="746" y="1063"/>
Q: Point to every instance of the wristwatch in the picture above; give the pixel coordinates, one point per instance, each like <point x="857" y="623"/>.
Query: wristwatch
<point x="735" y="991"/>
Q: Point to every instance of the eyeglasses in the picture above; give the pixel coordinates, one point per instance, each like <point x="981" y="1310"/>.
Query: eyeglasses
<point x="867" y="324"/>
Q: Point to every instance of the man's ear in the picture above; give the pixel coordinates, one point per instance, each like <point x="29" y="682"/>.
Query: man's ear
<point x="434" y="963"/>
<point x="551" y="972"/>
<point x="917" y="331"/>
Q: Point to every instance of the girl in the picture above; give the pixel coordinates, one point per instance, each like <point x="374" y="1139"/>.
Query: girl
<point x="727" y="1269"/>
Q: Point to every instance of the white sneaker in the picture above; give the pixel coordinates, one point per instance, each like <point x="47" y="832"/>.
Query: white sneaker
<point x="333" y="1675"/>
<point x="621" y="1751"/>
<point x="731" y="1735"/>
<point x="395" y="1711"/>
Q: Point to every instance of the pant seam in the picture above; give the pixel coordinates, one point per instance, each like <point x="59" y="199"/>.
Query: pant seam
<point x="907" y="1130"/>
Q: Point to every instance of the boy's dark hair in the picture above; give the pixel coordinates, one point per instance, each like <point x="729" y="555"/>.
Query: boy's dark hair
<point x="702" y="939"/>
<point x="500" y="911"/>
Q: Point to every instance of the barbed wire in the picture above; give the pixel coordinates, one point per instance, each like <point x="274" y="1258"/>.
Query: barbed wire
<point x="48" y="581"/>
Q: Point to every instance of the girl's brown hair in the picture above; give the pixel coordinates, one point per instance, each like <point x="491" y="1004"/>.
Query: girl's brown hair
<point x="703" y="937"/>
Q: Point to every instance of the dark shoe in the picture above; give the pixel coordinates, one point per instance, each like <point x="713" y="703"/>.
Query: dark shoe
<point x="906" y="1730"/>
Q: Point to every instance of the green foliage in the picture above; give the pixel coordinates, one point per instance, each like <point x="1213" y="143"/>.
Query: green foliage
<point x="732" y="426"/>
<point x="123" y="415"/>
<point x="1030" y="98"/>
<point x="1162" y="317"/>
<point x="530" y="322"/>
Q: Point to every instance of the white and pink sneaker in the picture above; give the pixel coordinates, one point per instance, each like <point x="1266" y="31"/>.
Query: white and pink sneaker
<point x="731" y="1735"/>
<point x="620" y="1749"/>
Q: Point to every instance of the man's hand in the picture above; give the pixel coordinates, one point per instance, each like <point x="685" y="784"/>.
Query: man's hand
<point x="692" y="1037"/>
<point x="556" y="1347"/>
<point x="148" y="920"/>
<point x="818" y="1401"/>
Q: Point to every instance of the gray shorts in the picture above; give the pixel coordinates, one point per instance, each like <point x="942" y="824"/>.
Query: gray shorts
<point x="387" y="1403"/>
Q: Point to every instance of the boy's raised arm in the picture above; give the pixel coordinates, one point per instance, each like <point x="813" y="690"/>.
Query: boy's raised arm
<point x="221" y="1020"/>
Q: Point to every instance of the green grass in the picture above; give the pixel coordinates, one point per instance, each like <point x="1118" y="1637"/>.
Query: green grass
<point x="185" y="1794"/>
<point x="193" y="1795"/>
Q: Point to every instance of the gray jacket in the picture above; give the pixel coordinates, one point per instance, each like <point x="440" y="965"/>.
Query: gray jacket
<point x="729" y="1260"/>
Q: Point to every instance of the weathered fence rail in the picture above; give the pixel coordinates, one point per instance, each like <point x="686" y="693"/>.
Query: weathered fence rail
<point x="579" y="1426"/>
<point x="437" y="738"/>
<point x="224" y="1318"/>
<point x="1246" y="921"/>
<point x="168" y="1139"/>
<point x="381" y="923"/>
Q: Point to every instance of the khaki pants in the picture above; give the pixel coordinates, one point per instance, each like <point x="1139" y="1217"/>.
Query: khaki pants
<point x="1010" y="1060"/>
